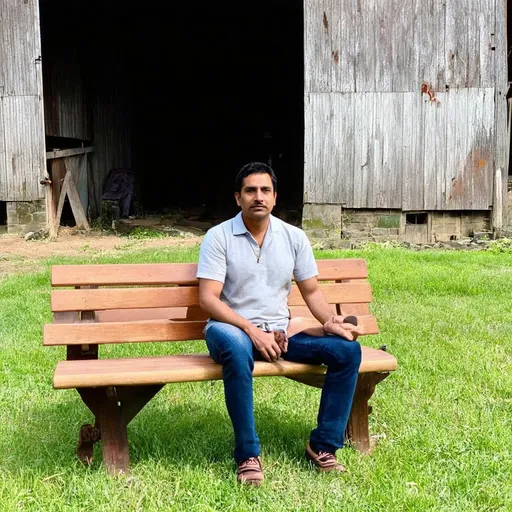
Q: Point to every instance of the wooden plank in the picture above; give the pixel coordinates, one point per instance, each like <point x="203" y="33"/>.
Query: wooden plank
<point x="62" y="153"/>
<point x="124" y="274"/>
<point x="137" y="298"/>
<point x="336" y="149"/>
<point x="426" y="35"/>
<point x="343" y="182"/>
<point x="318" y="25"/>
<point x="187" y="368"/>
<point x="365" y="46"/>
<point x="440" y="21"/>
<point x="322" y="142"/>
<point x="122" y="332"/>
<point x="22" y="162"/>
<point x="403" y="65"/>
<point x="363" y="150"/>
<point x="196" y="313"/>
<point x="384" y="29"/>
<point x="20" y="48"/>
<point x="457" y="44"/>
<point x="440" y="142"/>
<point x="176" y="273"/>
<point x="142" y="331"/>
<point x="472" y="29"/>
<point x="309" y="151"/>
<point x="387" y="172"/>
<point x="501" y="88"/>
<point x="345" y="72"/>
<point x="135" y="315"/>
<point x="412" y="128"/>
<point x="430" y="152"/>
<point x="76" y="204"/>
<point x="487" y="26"/>
<point x="62" y="197"/>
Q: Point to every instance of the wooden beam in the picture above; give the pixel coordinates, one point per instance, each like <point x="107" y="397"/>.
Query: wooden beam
<point x="69" y="188"/>
<point x="62" y="153"/>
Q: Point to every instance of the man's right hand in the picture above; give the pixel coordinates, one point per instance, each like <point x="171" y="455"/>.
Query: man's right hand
<point x="265" y="343"/>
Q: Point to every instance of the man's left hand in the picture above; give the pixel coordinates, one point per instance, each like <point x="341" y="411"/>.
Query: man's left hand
<point x="336" y="325"/>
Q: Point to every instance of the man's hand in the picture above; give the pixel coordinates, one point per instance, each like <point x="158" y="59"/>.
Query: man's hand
<point x="336" y="325"/>
<point x="265" y="343"/>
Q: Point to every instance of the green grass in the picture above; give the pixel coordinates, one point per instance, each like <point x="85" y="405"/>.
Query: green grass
<point x="444" y="418"/>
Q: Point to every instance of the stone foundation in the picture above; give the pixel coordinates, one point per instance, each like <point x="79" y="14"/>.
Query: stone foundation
<point x="321" y="220"/>
<point x="25" y="216"/>
<point x="415" y="227"/>
<point x="324" y="221"/>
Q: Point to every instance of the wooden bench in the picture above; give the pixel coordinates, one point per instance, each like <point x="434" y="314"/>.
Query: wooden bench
<point x="142" y="303"/>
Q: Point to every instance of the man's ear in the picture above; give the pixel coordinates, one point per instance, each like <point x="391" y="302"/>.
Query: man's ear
<point x="237" y="198"/>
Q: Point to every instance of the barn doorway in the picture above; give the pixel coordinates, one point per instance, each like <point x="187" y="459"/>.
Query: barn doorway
<point x="206" y="88"/>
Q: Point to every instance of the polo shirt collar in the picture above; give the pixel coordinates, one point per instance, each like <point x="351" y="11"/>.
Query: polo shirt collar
<point x="240" y="229"/>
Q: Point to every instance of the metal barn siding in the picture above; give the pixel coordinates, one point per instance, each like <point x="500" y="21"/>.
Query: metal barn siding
<point x="400" y="103"/>
<point x="22" y="149"/>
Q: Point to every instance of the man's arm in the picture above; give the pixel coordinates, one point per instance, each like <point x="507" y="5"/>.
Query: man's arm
<point x="209" y="300"/>
<point x="321" y="309"/>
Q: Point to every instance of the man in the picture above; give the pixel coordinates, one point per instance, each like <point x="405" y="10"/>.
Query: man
<point x="245" y="269"/>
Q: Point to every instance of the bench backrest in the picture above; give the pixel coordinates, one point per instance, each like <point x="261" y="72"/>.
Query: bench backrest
<point x="126" y="303"/>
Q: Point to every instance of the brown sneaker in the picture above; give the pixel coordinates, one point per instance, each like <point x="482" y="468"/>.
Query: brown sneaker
<point x="250" y="471"/>
<point x="324" y="461"/>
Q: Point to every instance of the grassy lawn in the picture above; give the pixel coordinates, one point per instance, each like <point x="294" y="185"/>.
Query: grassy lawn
<point x="444" y="419"/>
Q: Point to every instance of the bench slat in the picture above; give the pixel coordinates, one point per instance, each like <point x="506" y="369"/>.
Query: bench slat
<point x="196" y="313"/>
<point x="127" y="298"/>
<point x="141" y="331"/>
<point x="186" y="368"/>
<point x="176" y="273"/>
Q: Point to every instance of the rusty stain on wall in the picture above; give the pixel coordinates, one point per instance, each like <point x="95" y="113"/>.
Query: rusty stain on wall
<point x="336" y="57"/>
<point x="427" y="89"/>
<point x="457" y="188"/>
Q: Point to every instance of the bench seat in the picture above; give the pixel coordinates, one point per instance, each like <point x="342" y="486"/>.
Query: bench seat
<point x="187" y="368"/>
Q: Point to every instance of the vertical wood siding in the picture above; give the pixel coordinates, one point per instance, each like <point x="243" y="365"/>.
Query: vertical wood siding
<point x="373" y="140"/>
<point x="22" y="151"/>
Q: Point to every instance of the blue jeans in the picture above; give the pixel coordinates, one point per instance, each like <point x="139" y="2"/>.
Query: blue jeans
<point x="233" y="349"/>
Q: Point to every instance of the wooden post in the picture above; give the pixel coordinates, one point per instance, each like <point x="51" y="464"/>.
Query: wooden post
<point x="497" y="204"/>
<point x="357" y="429"/>
<point x="114" y="437"/>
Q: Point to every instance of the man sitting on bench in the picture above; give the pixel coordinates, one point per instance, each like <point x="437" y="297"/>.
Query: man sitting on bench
<point x="245" y="270"/>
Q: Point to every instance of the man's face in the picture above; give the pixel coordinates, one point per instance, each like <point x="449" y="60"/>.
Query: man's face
<point x="257" y="197"/>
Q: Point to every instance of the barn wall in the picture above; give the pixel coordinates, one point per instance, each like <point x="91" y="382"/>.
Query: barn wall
<point x="22" y="157"/>
<point x="400" y="103"/>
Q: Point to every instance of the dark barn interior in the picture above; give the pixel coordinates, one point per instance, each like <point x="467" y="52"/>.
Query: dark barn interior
<point x="183" y="95"/>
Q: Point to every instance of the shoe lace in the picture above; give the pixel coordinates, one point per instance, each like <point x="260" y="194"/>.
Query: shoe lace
<point x="326" y="456"/>
<point x="251" y="461"/>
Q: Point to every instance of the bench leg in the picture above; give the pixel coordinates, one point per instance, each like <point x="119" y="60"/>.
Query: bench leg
<point x="357" y="429"/>
<point x="116" y="456"/>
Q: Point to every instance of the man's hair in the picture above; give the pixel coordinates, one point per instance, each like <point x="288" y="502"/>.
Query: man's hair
<point x="254" y="168"/>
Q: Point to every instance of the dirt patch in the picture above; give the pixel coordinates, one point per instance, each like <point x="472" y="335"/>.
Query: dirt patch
<point x="18" y="255"/>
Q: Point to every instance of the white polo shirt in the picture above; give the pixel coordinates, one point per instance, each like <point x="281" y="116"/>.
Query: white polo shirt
<point x="256" y="281"/>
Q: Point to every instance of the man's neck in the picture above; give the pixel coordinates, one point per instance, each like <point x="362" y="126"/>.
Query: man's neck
<point x="257" y="228"/>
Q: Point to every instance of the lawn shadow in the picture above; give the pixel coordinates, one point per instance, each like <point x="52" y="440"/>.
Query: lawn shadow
<point x="195" y="434"/>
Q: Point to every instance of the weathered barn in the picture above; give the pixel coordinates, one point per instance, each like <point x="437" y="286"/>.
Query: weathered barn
<point x="381" y="118"/>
